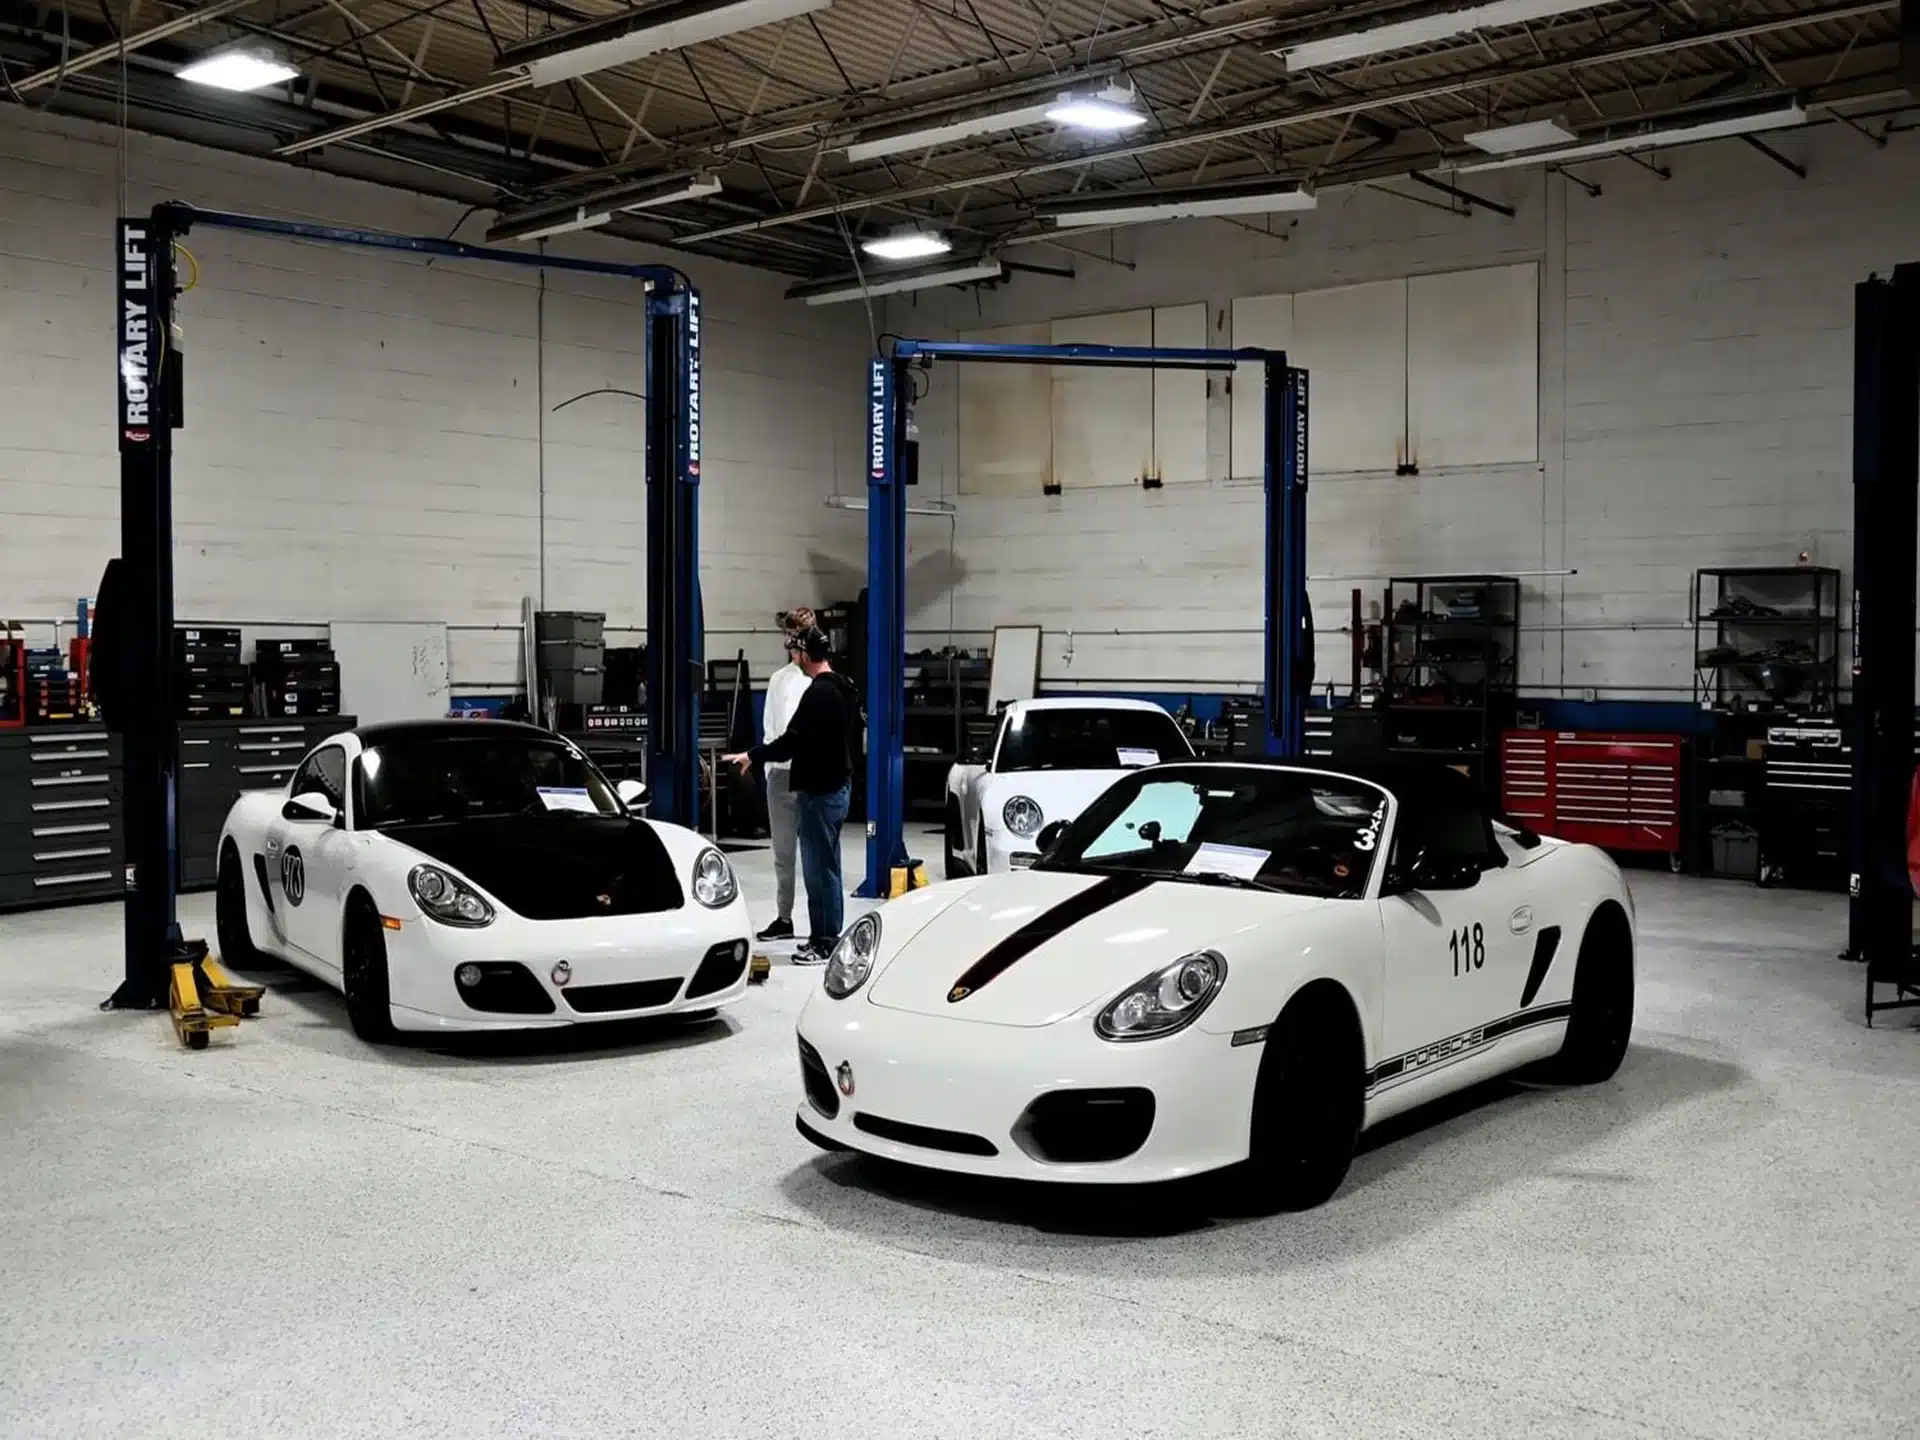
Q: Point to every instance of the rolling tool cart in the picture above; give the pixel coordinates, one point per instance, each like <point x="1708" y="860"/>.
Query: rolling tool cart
<point x="1804" y="805"/>
<point x="1618" y="791"/>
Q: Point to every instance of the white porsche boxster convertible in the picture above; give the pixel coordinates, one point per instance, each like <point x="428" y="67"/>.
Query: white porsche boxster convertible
<point x="477" y="875"/>
<point x="1048" y="760"/>
<point x="1220" y="965"/>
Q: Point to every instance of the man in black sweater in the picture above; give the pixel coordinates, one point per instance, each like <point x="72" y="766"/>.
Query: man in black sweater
<point x="818" y="740"/>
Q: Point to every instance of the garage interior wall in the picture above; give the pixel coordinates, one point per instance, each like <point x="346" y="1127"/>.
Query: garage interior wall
<point x="364" y="435"/>
<point x="1695" y="408"/>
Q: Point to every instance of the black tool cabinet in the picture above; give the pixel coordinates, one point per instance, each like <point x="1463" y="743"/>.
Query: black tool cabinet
<point x="60" y="816"/>
<point x="62" y="804"/>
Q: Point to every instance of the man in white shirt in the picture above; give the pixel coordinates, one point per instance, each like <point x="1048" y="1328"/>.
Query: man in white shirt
<point x="784" y="689"/>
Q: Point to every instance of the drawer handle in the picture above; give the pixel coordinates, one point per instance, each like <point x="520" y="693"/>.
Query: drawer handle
<point x="86" y="854"/>
<point x="56" y="756"/>
<point x="198" y="764"/>
<point x="87" y="878"/>
<point x="66" y="737"/>
<point x="47" y="832"/>
<point x="295" y="731"/>
<point x="99" y="804"/>
<point x="70" y="780"/>
<point x="196" y="742"/>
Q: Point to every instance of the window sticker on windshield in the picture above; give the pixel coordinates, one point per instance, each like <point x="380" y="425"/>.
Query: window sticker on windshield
<point x="567" y="797"/>
<point x="1240" y="861"/>
<point x="1132" y="759"/>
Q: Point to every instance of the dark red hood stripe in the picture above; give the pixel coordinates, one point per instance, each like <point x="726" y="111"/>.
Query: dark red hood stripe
<point x="1043" y="927"/>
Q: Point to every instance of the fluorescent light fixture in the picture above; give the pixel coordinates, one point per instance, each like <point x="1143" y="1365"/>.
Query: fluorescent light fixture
<point x="238" y="70"/>
<point x="1512" y="139"/>
<point x="1139" y="207"/>
<point x="945" y="509"/>
<point x="1108" y="111"/>
<point x="1642" y="136"/>
<point x="907" y="245"/>
<point x="670" y="25"/>
<point x="836" y="292"/>
<point x="561" y="217"/>
<point x="1405" y="34"/>
<point x="953" y="133"/>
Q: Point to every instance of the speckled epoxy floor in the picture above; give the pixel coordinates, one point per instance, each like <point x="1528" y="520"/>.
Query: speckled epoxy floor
<point x="293" y="1235"/>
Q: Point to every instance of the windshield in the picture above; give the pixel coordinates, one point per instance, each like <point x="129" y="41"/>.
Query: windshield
<point x="1088" y="740"/>
<point x="416" y="782"/>
<point x="1262" y="828"/>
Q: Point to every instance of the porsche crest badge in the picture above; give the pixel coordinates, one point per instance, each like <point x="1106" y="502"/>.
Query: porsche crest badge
<point x="958" y="993"/>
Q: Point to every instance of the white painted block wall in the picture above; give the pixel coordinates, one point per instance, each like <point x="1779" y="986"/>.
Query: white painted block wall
<point x="1695" y="409"/>
<point x="370" y="436"/>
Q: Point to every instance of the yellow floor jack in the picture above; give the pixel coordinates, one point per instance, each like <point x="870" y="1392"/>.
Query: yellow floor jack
<point x="203" y="998"/>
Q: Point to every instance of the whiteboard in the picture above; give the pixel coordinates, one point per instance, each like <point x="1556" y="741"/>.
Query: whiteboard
<point x="1016" y="665"/>
<point x="1353" y="343"/>
<point x="1006" y="419"/>
<point x="391" y="669"/>
<point x="1180" y="398"/>
<point x="1102" y="418"/>
<point x="1473" y="367"/>
<point x="1265" y="321"/>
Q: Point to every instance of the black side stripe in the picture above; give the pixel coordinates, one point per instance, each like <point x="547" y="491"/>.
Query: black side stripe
<point x="1544" y="946"/>
<point x="1108" y="892"/>
<point x="1467" y="1042"/>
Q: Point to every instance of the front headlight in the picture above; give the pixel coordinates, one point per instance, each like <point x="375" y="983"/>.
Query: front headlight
<point x="448" y="898"/>
<point x="1165" y="1001"/>
<point x="1023" y="816"/>
<point x="713" y="882"/>
<point x="852" y="959"/>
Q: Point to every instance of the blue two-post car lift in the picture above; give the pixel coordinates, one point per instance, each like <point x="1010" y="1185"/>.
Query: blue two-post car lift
<point x="150" y="408"/>
<point x="1288" y="622"/>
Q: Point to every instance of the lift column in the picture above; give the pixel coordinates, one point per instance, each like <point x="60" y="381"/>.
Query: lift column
<point x="1886" y="497"/>
<point x="1289" y="624"/>
<point x="887" y="389"/>
<point x="676" y="636"/>
<point x="147" y="411"/>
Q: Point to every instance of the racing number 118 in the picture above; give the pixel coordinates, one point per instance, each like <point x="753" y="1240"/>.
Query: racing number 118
<point x="1469" y="947"/>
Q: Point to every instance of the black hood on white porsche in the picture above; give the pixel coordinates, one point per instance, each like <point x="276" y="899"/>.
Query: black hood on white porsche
<point x="555" y="865"/>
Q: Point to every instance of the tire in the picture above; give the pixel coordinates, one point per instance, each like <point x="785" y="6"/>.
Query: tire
<point x="1602" y="1021"/>
<point x="230" y="914"/>
<point x="1308" y="1103"/>
<point x="363" y="973"/>
<point x="953" y="841"/>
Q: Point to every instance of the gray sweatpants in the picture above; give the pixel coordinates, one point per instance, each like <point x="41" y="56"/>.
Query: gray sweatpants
<point x="780" y="821"/>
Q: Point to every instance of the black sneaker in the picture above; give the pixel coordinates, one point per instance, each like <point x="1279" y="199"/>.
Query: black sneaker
<point x="811" y="954"/>
<point x="778" y="930"/>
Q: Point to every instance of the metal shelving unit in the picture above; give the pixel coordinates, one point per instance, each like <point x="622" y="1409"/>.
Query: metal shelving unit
<point x="1451" y="652"/>
<point x="945" y="695"/>
<point x="1766" y="638"/>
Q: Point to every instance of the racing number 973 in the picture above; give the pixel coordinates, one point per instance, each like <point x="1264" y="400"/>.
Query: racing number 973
<point x="1468" y="945"/>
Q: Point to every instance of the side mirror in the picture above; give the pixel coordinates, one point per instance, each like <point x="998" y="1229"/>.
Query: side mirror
<point x="1050" y="835"/>
<point x="309" y="805"/>
<point x="1429" y="872"/>
<point x="633" y="794"/>
<point x="975" y="755"/>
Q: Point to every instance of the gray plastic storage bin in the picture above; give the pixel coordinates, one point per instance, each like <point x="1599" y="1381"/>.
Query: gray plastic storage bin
<point x="1736" y="851"/>
<point x="572" y="655"/>
<point x="587" y="627"/>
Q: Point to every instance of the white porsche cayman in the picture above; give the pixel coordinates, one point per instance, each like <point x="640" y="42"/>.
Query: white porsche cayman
<point x="477" y="875"/>
<point x="1215" y="964"/>
<point x="1048" y="761"/>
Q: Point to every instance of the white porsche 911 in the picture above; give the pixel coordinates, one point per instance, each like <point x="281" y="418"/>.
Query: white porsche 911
<point x="455" y="875"/>
<point x="1220" y="965"/>
<point x="1048" y="760"/>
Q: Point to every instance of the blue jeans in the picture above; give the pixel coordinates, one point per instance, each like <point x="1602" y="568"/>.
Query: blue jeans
<point x="818" y="819"/>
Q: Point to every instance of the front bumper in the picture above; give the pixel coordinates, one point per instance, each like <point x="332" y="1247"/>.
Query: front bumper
<point x="947" y="1084"/>
<point x="619" y="951"/>
<point x="1007" y="851"/>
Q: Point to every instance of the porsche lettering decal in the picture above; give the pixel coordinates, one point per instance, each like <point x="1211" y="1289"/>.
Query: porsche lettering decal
<point x="1083" y="905"/>
<point x="1389" y="1073"/>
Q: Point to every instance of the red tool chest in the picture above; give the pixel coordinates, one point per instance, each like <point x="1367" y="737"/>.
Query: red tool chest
<point x="1621" y="792"/>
